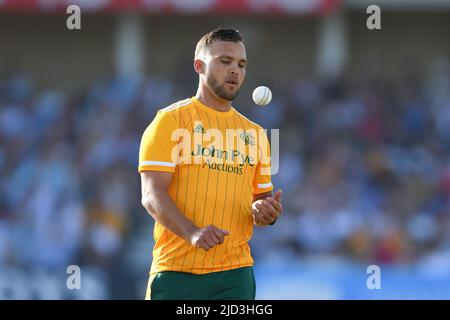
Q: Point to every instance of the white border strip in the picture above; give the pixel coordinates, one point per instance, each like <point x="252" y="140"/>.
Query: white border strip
<point x="264" y="185"/>
<point x="157" y="163"/>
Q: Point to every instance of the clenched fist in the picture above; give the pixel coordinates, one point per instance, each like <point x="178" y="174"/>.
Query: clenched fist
<point x="208" y="237"/>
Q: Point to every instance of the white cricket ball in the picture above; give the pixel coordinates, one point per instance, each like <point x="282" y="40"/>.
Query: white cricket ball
<point x="262" y="95"/>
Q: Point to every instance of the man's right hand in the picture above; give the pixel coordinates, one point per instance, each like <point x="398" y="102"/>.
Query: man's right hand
<point x="208" y="237"/>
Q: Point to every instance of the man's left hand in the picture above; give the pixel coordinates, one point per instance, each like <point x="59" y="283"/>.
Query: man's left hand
<point x="266" y="211"/>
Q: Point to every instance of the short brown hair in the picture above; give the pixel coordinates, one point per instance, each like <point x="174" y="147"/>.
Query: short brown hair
<point x="219" y="34"/>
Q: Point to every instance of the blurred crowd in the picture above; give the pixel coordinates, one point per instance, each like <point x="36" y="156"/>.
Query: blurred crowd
<point x="364" y="165"/>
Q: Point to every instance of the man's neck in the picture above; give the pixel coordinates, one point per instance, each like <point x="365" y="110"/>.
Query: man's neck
<point x="212" y="102"/>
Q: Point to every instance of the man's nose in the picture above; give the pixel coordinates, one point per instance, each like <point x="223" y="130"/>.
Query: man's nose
<point x="234" y="70"/>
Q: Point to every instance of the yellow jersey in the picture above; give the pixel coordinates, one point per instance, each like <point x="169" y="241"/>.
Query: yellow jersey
<point x="218" y="161"/>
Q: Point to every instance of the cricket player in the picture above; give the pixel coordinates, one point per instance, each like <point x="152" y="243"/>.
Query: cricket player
<point x="205" y="178"/>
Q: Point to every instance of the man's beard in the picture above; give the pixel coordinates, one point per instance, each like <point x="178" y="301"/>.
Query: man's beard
<point x="220" y="90"/>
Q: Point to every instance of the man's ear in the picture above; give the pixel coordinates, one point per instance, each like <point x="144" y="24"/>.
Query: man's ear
<point x="199" y="66"/>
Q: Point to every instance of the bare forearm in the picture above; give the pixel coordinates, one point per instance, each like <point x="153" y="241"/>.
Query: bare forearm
<point x="164" y="210"/>
<point x="262" y="196"/>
